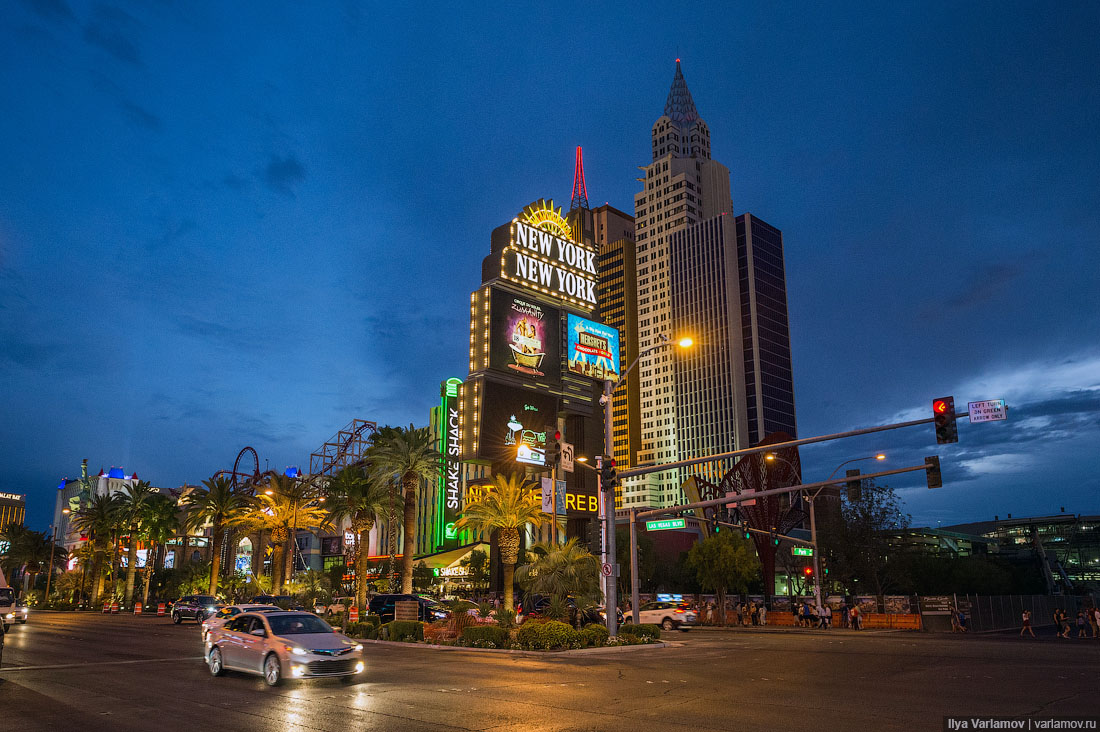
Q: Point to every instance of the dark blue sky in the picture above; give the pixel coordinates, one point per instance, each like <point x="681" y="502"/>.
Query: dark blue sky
<point x="226" y="225"/>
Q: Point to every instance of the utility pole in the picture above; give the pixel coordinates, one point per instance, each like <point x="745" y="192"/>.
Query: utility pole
<point x="49" y="575"/>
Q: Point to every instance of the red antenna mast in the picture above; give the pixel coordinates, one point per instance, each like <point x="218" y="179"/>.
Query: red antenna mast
<point x="580" y="191"/>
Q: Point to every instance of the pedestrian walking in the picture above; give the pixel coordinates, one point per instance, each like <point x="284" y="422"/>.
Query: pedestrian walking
<point x="754" y="612"/>
<point x="844" y="613"/>
<point x="855" y="619"/>
<point x="1081" y="625"/>
<point x="1025" y="619"/>
<point x="763" y="614"/>
<point x="1095" y="622"/>
<point x="826" y="617"/>
<point x="1060" y="623"/>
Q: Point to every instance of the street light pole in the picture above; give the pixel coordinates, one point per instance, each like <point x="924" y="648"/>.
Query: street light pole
<point x="49" y="575"/>
<point x="609" y="387"/>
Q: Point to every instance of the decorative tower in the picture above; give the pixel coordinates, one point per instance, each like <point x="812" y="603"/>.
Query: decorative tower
<point x="580" y="191"/>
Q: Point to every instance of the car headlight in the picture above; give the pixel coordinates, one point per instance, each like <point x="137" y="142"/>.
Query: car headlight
<point x="211" y="608"/>
<point x="357" y="647"/>
<point x="298" y="670"/>
<point x="10" y="615"/>
<point x="297" y="650"/>
<point x="359" y="667"/>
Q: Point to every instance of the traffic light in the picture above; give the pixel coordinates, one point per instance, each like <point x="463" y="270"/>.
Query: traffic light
<point x="745" y="529"/>
<point x="932" y="468"/>
<point x="808" y="571"/>
<point x="775" y="537"/>
<point x="943" y="413"/>
<point x="553" y="447"/>
<point x="592" y="536"/>
<point x="855" y="487"/>
<point x="609" y="478"/>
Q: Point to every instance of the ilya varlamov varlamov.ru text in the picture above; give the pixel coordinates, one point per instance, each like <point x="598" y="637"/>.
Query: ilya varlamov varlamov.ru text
<point x="958" y="723"/>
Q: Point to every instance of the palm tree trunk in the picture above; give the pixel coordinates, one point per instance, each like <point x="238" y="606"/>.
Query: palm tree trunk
<point x="508" y="543"/>
<point x="150" y="567"/>
<point x="288" y="556"/>
<point x="257" y="553"/>
<point x="362" y="551"/>
<point x="216" y="558"/>
<point x="409" y="543"/>
<point x="131" y="567"/>
<point x="509" y="579"/>
<point x="277" y="567"/>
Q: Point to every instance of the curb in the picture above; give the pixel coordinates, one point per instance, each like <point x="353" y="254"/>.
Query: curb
<point x="509" y="651"/>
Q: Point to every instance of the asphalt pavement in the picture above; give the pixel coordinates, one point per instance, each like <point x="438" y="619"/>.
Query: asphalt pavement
<point x="95" y="672"/>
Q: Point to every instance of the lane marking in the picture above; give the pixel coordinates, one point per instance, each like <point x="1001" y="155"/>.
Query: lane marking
<point x="99" y="663"/>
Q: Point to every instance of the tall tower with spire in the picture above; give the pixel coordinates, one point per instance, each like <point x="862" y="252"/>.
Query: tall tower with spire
<point x="682" y="186"/>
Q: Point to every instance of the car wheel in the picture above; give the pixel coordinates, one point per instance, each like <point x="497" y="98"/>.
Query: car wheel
<point x="668" y="624"/>
<point x="176" y="618"/>
<point x="199" y="617"/>
<point x="217" y="668"/>
<point x="22" y="621"/>
<point x="273" y="670"/>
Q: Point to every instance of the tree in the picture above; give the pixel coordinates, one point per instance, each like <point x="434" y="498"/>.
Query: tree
<point x="132" y="504"/>
<point x="407" y="456"/>
<point x="855" y="541"/>
<point x="96" y="519"/>
<point x="160" y="523"/>
<point x="221" y="507"/>
<point x="351" y="495"/>
<point x="561" y="571"/>
<point x="288" y="504"/>
<point x="722" y="562"/>
<point x="647" y="561"/>
<point x="29" y="550"/>
<point x="507" y="506"/>
<point x="477" y="563"/>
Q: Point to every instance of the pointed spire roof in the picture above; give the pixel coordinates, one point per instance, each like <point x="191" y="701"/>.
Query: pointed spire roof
<point x="680" y="107"/>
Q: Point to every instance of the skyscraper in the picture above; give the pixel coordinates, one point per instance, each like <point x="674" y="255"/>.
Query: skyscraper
<point x="682" y="186"/>
<point x="721" y="280"/>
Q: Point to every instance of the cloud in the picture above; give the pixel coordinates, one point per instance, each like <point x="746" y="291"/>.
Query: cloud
<point x="140" y="116"/>
<point x="282" y="174"/>
<point x="113" y="30"/>
<point x="985" y="285"/>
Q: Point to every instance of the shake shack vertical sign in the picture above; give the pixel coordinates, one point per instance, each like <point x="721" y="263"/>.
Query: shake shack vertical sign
<point x="544" y="262"/>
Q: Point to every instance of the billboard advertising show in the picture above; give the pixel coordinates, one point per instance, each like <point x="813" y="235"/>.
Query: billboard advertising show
<point x="524" y="337"/>
<point x="513" y="424"/>
<point x="593" y="348"/>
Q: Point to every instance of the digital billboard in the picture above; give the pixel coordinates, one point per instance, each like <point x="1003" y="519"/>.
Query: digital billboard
<point x="524" y="337"/>
<point x="513" y="423"/>
<point x="592" y="348"/>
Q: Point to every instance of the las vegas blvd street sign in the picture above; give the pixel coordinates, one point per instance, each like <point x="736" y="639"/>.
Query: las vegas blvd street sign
<point x="662" y="524"/>
<point x="802" y="551"/>
<point x="990" y="410"/>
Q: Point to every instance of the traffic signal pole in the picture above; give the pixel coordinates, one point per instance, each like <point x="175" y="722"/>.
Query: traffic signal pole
<point x="611" y="603"/>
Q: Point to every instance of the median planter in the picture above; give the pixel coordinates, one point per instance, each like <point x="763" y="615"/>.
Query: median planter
<point x="406" y="631"/>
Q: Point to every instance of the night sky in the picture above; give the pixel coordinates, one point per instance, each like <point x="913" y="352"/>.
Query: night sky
<point x="229" y="224"/>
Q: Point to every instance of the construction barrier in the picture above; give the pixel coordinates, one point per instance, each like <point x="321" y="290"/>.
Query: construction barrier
<point x="114" y="608"/>
<point x="106" y="607"/>
<point x="137" y="608"/>
<point x="775" y="617"/>
<point x="160" y="609"/>
<point x="353" y="614"/>
<point x="892" y="620"/>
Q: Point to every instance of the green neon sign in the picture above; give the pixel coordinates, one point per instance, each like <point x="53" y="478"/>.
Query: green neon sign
<point x="802" y="551"/>
<point x="663" y="524"/>
<point x="449" y="531"/>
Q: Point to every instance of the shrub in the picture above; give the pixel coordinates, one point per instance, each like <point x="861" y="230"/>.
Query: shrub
<point x="486" y="636"/>
<point x="361" y="630"/>
<point x="644" y="630"/>
<point x="547" y="635"/>
<point x="506" y="617"/>
<point x="374" y="620"/>
<point x="594" y="635"/>
<point x="406" y="631"/>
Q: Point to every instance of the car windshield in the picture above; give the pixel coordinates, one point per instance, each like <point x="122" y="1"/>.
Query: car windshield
<point x="298" y="624"/>
<point x="206" y="600"/>
<point x="7" y="593"/>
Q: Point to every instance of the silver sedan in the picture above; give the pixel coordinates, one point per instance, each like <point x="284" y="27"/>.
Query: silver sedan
<point x="278" y="645"/>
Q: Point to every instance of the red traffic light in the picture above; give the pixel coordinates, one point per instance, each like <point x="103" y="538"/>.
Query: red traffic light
<point x="939" y="406"/>
<point x="557" y="435"/>
<point x="808" y="571"/>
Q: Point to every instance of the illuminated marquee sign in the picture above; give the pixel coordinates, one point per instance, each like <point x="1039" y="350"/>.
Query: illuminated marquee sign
<point x="524" y="337"/>
<point x="450" y="482"/>
<point x="12" y="496"/>
<point x="593" y="348"/>
<point x="541" y="257"/>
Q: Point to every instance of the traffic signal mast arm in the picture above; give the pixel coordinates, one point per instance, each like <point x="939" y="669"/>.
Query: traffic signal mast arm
<point x="773" y="492"/>
<point x="740" y="527"/>
<point x="779" y="446"/>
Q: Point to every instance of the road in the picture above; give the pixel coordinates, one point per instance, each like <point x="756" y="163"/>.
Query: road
<point x="93" y="672"/>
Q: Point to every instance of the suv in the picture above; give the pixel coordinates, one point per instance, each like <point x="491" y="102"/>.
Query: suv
<point x="286" y="602"/>
<point x="194" y="607"/>
<point x="336" y="607"/>
<point x="384" y="607"/>
<point x="7" y="607"/>
<point x="668" y="615"/>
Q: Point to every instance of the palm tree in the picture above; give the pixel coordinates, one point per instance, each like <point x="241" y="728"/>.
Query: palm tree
<point x="97" y="519"/>
<point x="351" y="495"/>
<point x="507" y="507"/>
<point x="160" y="523"/>
<point x="561" y="571"/>
<point x="407" y="456"/>
<point x="132" y="502"/>
<point x="30" y="550"/>
<point x="289" y="504"/>
<point x="221" y="507"/>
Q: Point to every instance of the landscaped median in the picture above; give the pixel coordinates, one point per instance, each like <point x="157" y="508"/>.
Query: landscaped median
<point x="534" y="635"/>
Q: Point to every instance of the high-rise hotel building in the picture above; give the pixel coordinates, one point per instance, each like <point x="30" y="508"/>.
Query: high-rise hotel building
<point x="692" y="278"/>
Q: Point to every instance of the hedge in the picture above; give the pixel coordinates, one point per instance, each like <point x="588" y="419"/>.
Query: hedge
<point x="409" y="631"/>
<point x="547" y="635"/>
<point x="641" y="631"/>
<point x="374" y="620"/>
<point x="486" y="636"/>
<point x="594" y="635"/>
<point x="361" y="630"/>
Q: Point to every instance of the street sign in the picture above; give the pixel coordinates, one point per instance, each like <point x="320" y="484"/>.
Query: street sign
<point x="567" y="457"/>
<point x="605" y="569"/>
<point x="663" y="524"/>
<point x="802" y="551"/>
<point x="990" y="410"/>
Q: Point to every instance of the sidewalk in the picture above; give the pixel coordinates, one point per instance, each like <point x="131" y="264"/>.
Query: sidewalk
<point x="795" y="630"/>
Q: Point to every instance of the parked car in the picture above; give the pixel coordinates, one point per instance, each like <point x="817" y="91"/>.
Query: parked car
<point x="278" y="645"/>
<point x="229" y="612"/>
<point x="194" y="607"/>
<point x="384" y="607"/>
<point x="534" y="606"/>
<point x="668" y="615"/>
<point x="286" y="602"/>
<point x="336" y="607"/>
